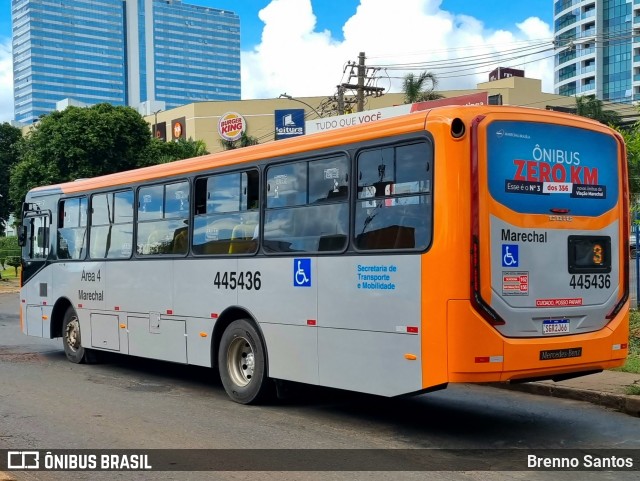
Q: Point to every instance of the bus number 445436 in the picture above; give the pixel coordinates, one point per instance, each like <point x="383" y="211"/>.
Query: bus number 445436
<point x="590" y="281"/>
<point x="238" y="280"/>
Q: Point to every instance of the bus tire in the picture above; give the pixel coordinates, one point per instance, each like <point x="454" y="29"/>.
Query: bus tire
<point x="72" y="342"/>
<point x="242" y="363"/>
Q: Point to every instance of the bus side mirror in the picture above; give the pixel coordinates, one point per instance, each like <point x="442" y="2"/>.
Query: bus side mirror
<point x="22" y="235"/>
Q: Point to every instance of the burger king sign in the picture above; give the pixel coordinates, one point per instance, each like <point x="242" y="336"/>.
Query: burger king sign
<point x="231" y="126"/>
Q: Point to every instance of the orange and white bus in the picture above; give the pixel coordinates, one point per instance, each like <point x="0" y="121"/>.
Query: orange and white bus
<point x="458" y="244"/>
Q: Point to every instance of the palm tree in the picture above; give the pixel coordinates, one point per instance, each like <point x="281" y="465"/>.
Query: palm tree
<point x="590" y="106"/>
<point x="244" y="141"/>
<point x="415" y="87"/>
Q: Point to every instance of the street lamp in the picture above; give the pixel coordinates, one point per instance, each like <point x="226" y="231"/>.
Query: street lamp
<point x="285" y="96"/>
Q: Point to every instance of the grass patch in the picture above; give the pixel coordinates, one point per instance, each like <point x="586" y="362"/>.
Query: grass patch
<point x="9" y="273"/>
<point x="633" y="390"/>
<point x="633" y="359"/>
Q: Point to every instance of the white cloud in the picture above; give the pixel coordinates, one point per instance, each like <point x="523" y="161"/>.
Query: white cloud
<point x="6" y="82"/>
<point x="293" y="57"/>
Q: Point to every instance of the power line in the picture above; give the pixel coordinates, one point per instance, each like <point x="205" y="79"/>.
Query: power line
<point x="457" y="49"/>
<point x="521" y="54"/>
<point x="465" y="60"/>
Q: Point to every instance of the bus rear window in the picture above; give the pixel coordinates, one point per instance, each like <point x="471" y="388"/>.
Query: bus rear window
<point x="536" y="168"/>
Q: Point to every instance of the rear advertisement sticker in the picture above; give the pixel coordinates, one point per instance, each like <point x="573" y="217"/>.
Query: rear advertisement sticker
<point x="563" y="167"/>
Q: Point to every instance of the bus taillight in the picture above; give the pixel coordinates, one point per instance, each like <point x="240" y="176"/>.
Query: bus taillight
<point x="482" y="307"/>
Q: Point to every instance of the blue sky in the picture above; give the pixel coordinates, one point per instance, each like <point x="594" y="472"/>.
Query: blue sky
<point x="283" y="41"/>
<point x="332" y="14"/>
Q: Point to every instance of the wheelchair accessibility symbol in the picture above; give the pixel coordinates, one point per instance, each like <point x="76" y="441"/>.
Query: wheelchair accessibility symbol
<point x="301" y="272"/>
<point x="509" y="255"/>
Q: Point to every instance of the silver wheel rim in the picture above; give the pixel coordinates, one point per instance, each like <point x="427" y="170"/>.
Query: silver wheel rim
<point x="241" y="361"/>
<point x="72" y="334"/>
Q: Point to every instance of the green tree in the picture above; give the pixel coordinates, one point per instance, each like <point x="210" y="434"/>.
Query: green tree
<point x="420" y="88"/>
<point x="593" y="108"/>
<point x="10" y="138"/>
<point x="8" y="248"/>
<point x="631" y="136"/>
<point x="160" y="152"/>
<point x="78" y="143"/>
<point x="14" y="262"/>
<point x="244" y="141"/>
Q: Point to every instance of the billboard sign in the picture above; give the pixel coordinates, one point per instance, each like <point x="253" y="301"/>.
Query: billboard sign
<point x="231" y="126"/>
<point x="178" y="129"/>
<point x="331" y="123"/>
<point x="505" y="72"/>
<point x="289" y="123"/>
<point x="480" y="98"/>
<point x="160" y="131"/>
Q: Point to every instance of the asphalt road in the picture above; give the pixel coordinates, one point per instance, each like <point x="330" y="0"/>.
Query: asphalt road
<point x="129" y="403"/>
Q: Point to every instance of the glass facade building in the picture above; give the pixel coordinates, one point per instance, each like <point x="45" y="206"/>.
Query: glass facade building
<point x="124" y="52"/>
<point x="597" y="44"/>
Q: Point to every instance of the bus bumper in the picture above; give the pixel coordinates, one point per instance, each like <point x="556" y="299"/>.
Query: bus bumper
<point x="479" y="353"/>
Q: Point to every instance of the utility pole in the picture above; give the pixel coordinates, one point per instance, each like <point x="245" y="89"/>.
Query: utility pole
<point x="361" y="88"/>
<point x="361" y="73"/>
<point x="340" y="100"/>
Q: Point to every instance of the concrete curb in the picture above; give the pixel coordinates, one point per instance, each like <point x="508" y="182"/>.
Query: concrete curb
<point x="619" y="402"/>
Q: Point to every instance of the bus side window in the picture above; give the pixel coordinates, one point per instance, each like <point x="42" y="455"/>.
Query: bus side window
<point x="394" y="210"/>
<point x="111" y="235"/>
<point x="72" y="229"/>
<point x="163" y="213"/>
<point x="43" y="237"/>
<point x="307" y="206"/>
<point x="227" y="214"/>
<point x="38" y="237"/>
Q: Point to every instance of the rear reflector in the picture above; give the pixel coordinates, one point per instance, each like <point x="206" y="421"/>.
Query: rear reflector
<point x="407" y="329"/>
<point x="484" y="359"/>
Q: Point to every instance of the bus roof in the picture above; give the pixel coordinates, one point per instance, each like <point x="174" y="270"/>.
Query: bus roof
<point x="412" y="122"/>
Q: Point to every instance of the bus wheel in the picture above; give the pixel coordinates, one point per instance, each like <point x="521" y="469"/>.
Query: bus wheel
<point x="71" y="339"/>
<point x="242" y="363"/>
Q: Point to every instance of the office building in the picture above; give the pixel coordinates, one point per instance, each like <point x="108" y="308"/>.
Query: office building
<point x="125" y="52"/>
<point x="595" y="49"/>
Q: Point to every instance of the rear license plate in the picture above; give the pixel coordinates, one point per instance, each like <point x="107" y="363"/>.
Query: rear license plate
<point x="556" y="326"/>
